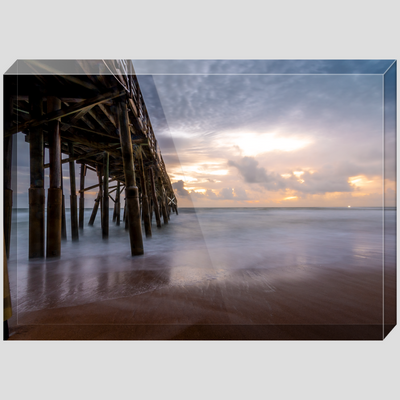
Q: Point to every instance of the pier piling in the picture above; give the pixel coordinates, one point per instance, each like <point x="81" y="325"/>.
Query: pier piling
<point x="73" y="197"/>
<point x="99" y="121"/>
<point x="82" y="197"/>
<point x="131" y="191"/>
<point x="54" y="198"/>
<point x="155" y="202"/>
<point x="36" y="190"/>
<point x="8" y="193"/>
<point x="106" y="201"/>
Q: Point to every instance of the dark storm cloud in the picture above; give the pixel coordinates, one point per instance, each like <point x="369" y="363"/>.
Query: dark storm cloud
<point x="327" y="179"/>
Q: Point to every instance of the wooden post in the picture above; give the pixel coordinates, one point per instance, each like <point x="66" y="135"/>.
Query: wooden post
<point x="115" y="211"/>
<point x="8" y="111"/>
<point x="100" y="178"/>
<point x="150" y="198"/>
<point x="151" y="211"/>
<point x="118" y="204"/>
<point x="95" y="208"/>
<point x="54" y="199"/>
<point x="131" y="191"/>
<point x="36" y="190"/>
<point x="106" y="200"/>
<point x="63" y="221"/>
<point x="74" y="202"/>
<point x="163" y="202"/>
<point x="145" y="203"/>
<point x="82" y="197"/>
<point x="126" y="216"/>
<point x="155" y="202"/>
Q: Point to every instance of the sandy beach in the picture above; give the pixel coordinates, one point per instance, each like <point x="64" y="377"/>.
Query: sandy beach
<point x="202" y="284"/>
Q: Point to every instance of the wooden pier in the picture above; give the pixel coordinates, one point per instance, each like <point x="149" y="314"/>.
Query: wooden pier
<point x="97" y="116"/>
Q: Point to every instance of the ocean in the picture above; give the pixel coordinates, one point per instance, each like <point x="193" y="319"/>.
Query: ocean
<point x="294" y="256"/>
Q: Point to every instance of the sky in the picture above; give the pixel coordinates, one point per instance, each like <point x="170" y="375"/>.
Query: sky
<point x="251" y="133"/>
<point x="259" y="134"/>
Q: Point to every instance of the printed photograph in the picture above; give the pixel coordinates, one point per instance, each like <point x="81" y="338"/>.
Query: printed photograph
<point x="199" y="199"/>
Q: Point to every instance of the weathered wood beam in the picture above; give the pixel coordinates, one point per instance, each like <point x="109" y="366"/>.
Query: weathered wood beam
<point x="92" y="131"/>
<point x="89" y="167"/>
<point x="86" y="155"/>
<point x="108" y="115"/>
<point x="74" y="137"/>
<point x="80" y="114"/>
<point x="22" y="97"/>
<point x="49" y="68"/>
<point x="95" y="186"/>
<point x="65" y="112"/>
<point x="100" y="122"/>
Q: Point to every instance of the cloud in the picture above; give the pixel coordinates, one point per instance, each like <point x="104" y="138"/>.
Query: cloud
<point x="211" y="195"/>
<point x="179" y="188"/>
<point x="248" y="168"/>
<point x="215" y="118"/>
<point x="327" y="179"/>
<point x="226" y="194"/>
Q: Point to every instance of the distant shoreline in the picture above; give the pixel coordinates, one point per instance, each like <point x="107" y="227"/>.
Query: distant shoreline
<point x="260" y="208"/>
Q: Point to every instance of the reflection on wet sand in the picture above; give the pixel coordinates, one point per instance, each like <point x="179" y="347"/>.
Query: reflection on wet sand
<point x="273" y="273"/>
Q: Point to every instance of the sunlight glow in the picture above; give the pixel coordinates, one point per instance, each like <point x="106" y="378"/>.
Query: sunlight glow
<point x="252" y="144"/>
<point x="184" y="178"/>
<point x="290" y="198"/>
<point x="205" y="170"/>
<point x="359" y="180"/>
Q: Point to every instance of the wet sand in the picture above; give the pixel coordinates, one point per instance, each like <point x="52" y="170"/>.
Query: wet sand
<point x="242" y="305"/>
<point x="189" y="293"/>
